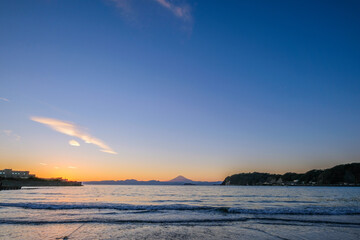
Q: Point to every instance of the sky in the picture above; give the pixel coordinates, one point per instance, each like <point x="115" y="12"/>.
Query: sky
<point x="152" y="89"/>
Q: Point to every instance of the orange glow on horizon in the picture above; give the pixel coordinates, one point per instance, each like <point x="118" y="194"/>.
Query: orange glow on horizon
<point x="91" y="167"/>
<point x="83" y="172"/>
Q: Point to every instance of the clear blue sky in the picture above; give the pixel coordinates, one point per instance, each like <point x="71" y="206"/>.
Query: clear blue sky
<point x="198" y="88"/>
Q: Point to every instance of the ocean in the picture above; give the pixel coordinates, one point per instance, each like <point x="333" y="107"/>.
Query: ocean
<point x="180" y="212"/>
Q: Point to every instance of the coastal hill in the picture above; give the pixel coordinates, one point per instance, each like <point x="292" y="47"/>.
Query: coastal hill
<point x="34" y="181"/>
<point x="11" y="179"/>
<point x="345" y="174"/>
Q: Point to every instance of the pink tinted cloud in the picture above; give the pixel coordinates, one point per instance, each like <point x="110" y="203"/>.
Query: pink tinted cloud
<point x="72" y="129"/>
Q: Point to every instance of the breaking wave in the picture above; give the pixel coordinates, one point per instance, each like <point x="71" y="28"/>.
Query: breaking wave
<point x="264" y="220"/>
<point x="301" y="210"/>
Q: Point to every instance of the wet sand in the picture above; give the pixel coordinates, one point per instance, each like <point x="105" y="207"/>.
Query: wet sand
<point x="235" y="230"/>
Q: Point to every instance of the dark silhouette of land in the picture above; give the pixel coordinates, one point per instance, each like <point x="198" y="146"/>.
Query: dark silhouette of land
<point x="340" y="175"/>
<point x="179" y="180"/>
<point x="13" y="179"/>
<point x="17" y="183"/>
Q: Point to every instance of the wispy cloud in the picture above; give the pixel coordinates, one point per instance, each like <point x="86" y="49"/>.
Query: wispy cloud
<point x="182" y="11"/>
<point x="132" y="10"/>
<point x="7" y="132"/>
<point x="74" y="143"/>
<point x="4" y="99"/>
<point x="72" y="167"/>
<point x="11" y="134"/>
<point x="125" y="7"/>
<point x="44" y="164"/>
<point x="125" y="4"/>
<point x="71" y="129"/>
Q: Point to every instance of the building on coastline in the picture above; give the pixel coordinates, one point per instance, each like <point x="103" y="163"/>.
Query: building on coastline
<point x="9" y="173"/>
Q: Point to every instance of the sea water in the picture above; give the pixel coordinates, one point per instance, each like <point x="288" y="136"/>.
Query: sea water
<point x="180" y="212"/>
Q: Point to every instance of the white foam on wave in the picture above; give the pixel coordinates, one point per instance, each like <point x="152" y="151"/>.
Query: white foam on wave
<point x="301" y="210"/>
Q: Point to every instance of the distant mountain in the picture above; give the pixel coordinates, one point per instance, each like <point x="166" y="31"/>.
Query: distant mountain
<point x="345" y="174"/>
<point x="181" y="179"/>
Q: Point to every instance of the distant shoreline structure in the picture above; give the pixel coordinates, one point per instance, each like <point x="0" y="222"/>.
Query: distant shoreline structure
<point x="340" y="175"/>
<point x="11" y="180"/>
<point x="9" y="173"/>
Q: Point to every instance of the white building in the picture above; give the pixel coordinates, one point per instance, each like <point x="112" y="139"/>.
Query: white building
<point x="9" y="173"/>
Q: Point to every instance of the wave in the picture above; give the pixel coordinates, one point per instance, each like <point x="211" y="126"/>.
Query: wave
<point x="185" y="201"/>
<point x="301" y="210"/>
<point x="264" y="220"/>
<point x="123" y="207"/>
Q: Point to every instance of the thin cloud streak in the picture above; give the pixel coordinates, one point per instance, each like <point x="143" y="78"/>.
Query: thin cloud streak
<point x="124" y="6"/>
<point x="4" y="99"/>
<point x="71" y="129"/>
<point x="183" y="12"/>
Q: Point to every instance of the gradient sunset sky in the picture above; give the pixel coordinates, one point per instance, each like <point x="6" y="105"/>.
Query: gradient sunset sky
<point x="151" y="89"/>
